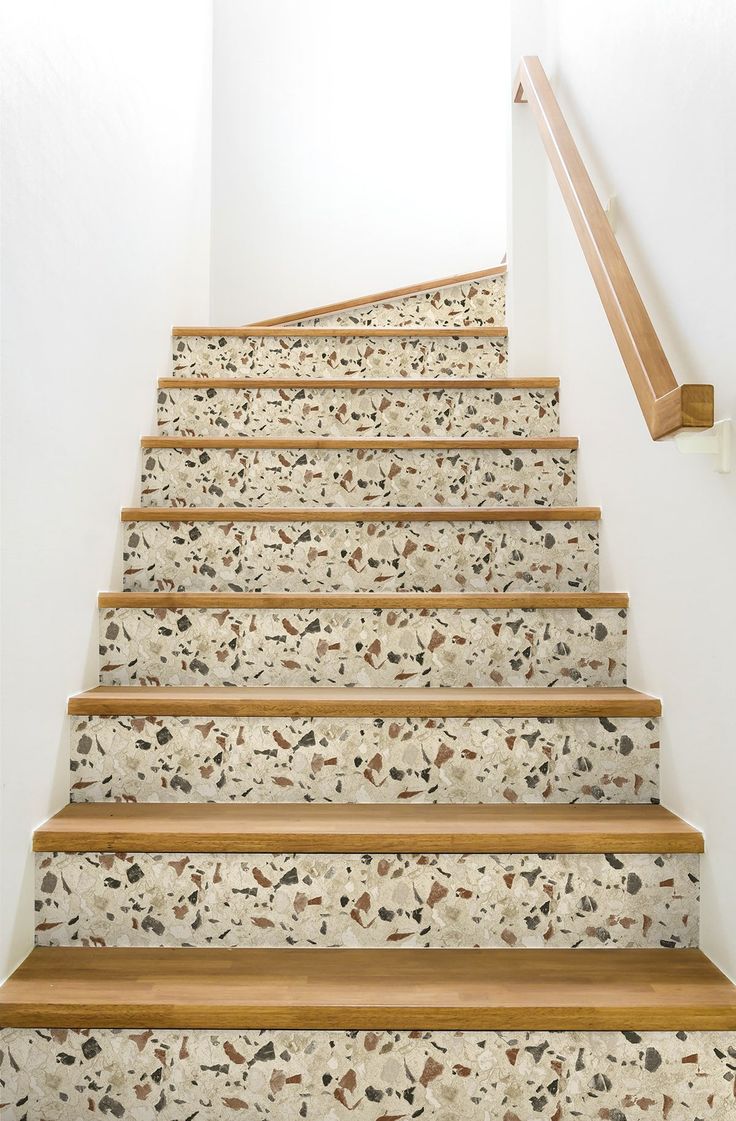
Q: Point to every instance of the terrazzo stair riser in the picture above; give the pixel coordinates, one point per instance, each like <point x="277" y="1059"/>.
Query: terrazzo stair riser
<point x="627" y="900"/>
<point x="302" y="411"/>
<point x="314" y="356"/>
<point x="349" y="759"/>
<point x="473" y="303"/>
<point x="175" y="476"/>
<point x="282" y="1075"/>
<point x="373" y="899"/>
<point x="368" y="556"/>
<point x="375" y="647"/>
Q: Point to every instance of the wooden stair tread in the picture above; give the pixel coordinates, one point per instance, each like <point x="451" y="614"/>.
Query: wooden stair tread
<point x="351" y="989"/>
<point x="426" y="443"/>
<point x="381" y="297"/>
<point x="357" y="382"/>
<point x="224" y="700"/>
<point x="367" y="601"/>
<point x="360" y="514"/>
<point x="364" y="827"/>
<point x="353" y="332"/>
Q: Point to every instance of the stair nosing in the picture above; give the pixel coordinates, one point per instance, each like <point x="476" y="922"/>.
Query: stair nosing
<point x="207" y="700"/>
<point x="356" y="989"/>
<point x="361" y="513"/>
<point x="438" y="443"/>
<point x="356" y="332"/>
<point x="314" y="827"/>
<point x="358" y="382"/>
<point x="462" y="601"/>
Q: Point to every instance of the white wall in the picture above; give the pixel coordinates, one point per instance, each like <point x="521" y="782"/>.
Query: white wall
<point x="105" y="238"/>
<point x="649" y="91"/>
<point x="355" y="147"/>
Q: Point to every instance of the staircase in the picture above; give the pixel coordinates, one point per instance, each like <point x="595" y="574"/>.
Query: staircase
<point x="364" y="819"/>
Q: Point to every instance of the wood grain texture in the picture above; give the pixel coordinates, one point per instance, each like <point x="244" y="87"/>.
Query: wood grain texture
<point x="424" y="384"/>
<point x="381" y="297"/>
<point x="485" y="990"/>
<point x="667" y="406"/>
<point x="366" y="601"/>
<point x="687" y="406"/>
<point x="365" y="827"/>
<point x="222" y="700"/>
<point x="341" y="332"/>
<point x="361" y="514"/>
<point x="363" y="442"/>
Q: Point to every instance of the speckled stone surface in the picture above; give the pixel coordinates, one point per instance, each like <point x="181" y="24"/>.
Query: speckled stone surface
<point x="372" y="647"/>
<point x="474" y="303"/>
<point x="358" y="477"/>
<point x="370" y="556"/>
<point x="630" y="900"/>
<point x="316" y="356"/>
<point x="311" y="411"/>
<point x="351" y="759"/>
<point x="142" y="1075"/>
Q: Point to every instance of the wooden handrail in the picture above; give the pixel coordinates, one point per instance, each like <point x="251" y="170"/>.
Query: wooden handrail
<point x="667" y="406"/>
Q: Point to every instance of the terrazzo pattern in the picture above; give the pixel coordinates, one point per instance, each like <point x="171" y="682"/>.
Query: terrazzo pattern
<point x="375" y="900"/>
<point x="474" y="303"/>
<point x="358" y="477"/>
<point x="308" y="411"/>
<point x="142" y="1074"/>
<point x="360" y="556"/>
<point x="374" y="647"/>
<point x="351" y="759"/>
<point x="139" y="1075"/>
<point x="314" y="356"/>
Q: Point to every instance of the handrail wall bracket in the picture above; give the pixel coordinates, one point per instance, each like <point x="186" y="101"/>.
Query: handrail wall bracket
<point x="716" y="441"/>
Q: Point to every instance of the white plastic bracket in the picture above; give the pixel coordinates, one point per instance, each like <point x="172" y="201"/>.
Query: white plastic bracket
<point x="611" y="211"/>
<point x="717" y="441"/>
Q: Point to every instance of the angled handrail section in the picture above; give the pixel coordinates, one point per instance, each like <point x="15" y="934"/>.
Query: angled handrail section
<point x="667" y="406"/>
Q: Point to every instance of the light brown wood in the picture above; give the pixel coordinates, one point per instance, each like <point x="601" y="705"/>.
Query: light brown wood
<point x="365" y="827"/>
<point x="222" y="700"/>
<point x="361" y="442"/>
<point x="358" y="383"/>
<point x="667" y="406"/>
<point x="368" y="601"/>
<point x="482" y="990"/>
<point x="381" y="297"/>
<point x="361" y="514"/>
<point x="687" y="406"/>
<point x="340" y="332"/>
